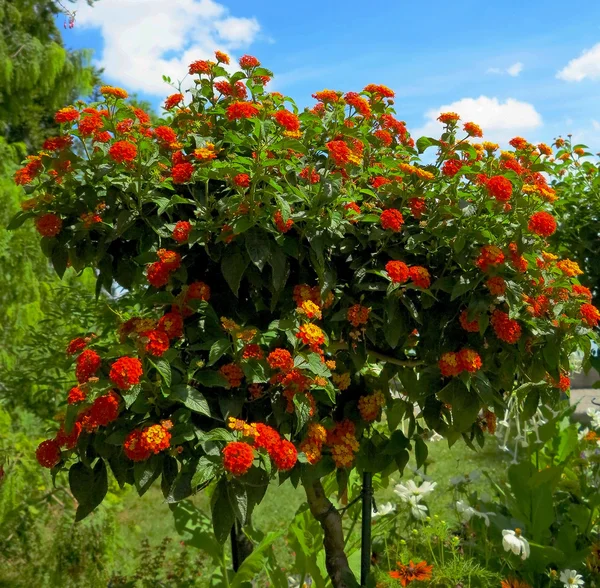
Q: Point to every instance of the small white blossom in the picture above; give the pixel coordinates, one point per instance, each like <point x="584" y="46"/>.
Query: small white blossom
<point x="384" y="509"/>
<point x="436" y="437"/>
<point x="595" y="416"/>
<point x="410" y="489"/>
<point x="419" y="511"/>
<point x="582" y="433"/>
<point x="465" y="478"/>
<point x="571" y="578"/>
<point x="467" y="512"/>
<point x="515" y="542"/>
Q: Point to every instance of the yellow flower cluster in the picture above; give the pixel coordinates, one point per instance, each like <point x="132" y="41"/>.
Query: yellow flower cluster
<point x="369" y="406"/>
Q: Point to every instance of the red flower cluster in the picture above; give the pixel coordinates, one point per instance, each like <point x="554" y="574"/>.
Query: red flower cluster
<point x="173" y="100"/>
<point x="48" y="453"/>
<point x="417" y="206"/>
<point x="165" y="134"/>
<point x="103" y="411"/>
<point x="385" y="137"/>
<point x="57" y="143"/>
<point x="233" y="374"/>
<point x="506" y="329"/>
<point x="499" y="187"/>
<point x="310" y="175"/>
<point x="76" y="394"/>
<point x="420" y="276"/>
<point x="359" y="103"/>
<point x="472" y="129"/>
<point x="391" y="219"/>
<point x="238" y="457"/>
<point x="379" y="181"/>
<point x="181" y="232"/>
<point x="248" y="62"/>
<point x="280" y="359"/>
<point x="358" y="315"/>
<point x="126" y="372"/>
<point x="200" y="67"/>
<point x="282" y="226"/>
<point x="496" y="286"/>
<point x="158" y="273"/>
<point x="122" y="151"/>
<point x="242" y="180"/>
<point x="397" y="271"/>
<point x="172" y="324"/>
<point x="48" y="225"/>
<point x="489" y="255"/>
<point x="239" y="110"/>
<point x="182" y="172"/>
<point x="157" y="342"/>
<point x="542" y="223"/>
<point x="65" y="115"/>
<point x="88" y="363"/>
<point x="451" y="167"/>
<point x="198" y="291"/>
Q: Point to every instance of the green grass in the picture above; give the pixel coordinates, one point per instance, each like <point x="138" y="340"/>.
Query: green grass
<point x="149" y="516"/>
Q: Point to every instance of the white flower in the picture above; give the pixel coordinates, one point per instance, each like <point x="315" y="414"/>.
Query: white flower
<point x="410" y="489"/>
<point x="515" y="542"/>
<point x="571" y="578"/>
<point x="467" y="512"/>
<point x="384" y="509"/>
<point x="419" y="511"/>
<point x="595" y="416"/>
<point x="436" y="437"/>
<point x="582" y="433"/>
<point x="465" y="478"/>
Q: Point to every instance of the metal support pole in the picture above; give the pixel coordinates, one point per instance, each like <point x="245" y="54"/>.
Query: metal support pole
<point x="235" y="554"/>
<point x="365" y="545"/>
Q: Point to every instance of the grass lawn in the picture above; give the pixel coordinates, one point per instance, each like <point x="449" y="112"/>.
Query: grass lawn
<point x="149" y="516"/>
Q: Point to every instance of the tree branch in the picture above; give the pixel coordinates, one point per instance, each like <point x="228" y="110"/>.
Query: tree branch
<point x="330" y="520"/>
<point x="341" y="346"/>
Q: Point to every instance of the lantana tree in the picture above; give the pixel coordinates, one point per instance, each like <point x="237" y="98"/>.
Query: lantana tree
<point x="303" y="282"/>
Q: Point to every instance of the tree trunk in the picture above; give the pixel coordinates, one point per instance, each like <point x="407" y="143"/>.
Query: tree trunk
<point x="330" y="520"/>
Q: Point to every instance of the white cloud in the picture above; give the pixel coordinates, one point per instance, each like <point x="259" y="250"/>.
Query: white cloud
<point x="500" y="121"/>
<point x="514" y="70"/>
<point x="144" y="39"/>
<point x="587" y="65"/>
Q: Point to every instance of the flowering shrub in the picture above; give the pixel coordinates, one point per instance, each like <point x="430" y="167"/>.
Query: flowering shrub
<point x="287" y="267"/>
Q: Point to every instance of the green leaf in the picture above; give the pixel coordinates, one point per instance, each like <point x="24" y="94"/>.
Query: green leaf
<point x="131" y="395"/>
<point x="256" y="372"/>
<point x="190" y="397"/>
<point x="205" y="471"/>
<point x="423" y="143"/>
<point x="462" y="286"/>
<point x="258" y="248"/>
<point x="255" y="562"/>
<point x="279" y="266"/>
<point x="421" y="451"/>
<point x="233" y="266"/>
<point x="89" y="486"/>
<point x="238" y="499"/>
<point x="145" y="472"/>
<point x="60" y="257"/>
<point x="217" y="350"/>
<point x="302" y="405"/>
<point x="163" y="367"/>
<point x="210" y="379"/>
<point x="223" y="516"/>
<point x="18" y="220"/>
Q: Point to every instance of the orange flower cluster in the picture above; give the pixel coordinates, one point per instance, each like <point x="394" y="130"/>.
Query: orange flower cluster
<point x="447" y="118"/>
<point x="405" y="574"/>
<point x="452" y="364"/>
<point x="397" y="271"/>
<point x="280" y="359"/>
<point x="467" y="325"/>
<point x="360" y="104"/>
<point x="451" y="167"/>
<point x="344" y="445"/>
<point x="112" y="91"/>
<point x="76" y="345"/>
<point x="126" y="372"/>
<point x="590" y="315"/>
<point x="313" y="442"/>
<point x="141" y="444"/>
<point x="233" y="374"/>
<point x="342" y="154"/>
<point x="506" y="329"/>
<point x="237" y="457"/>
<point x="358" y="315"/>
<point x="65" y="115"/>
<point x="370" y="406"/>
<point x="157" y="341"/>
<point x="569" y="268"/>
<point x="420" y="276"/>
<point x="288" y="120"/>
<point x="416" y="171"/>
<point x="488" y="256"/>
<point x="312" y="336"/>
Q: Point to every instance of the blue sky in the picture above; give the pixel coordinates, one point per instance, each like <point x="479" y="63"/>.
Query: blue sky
<point x="527" y="68"/>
